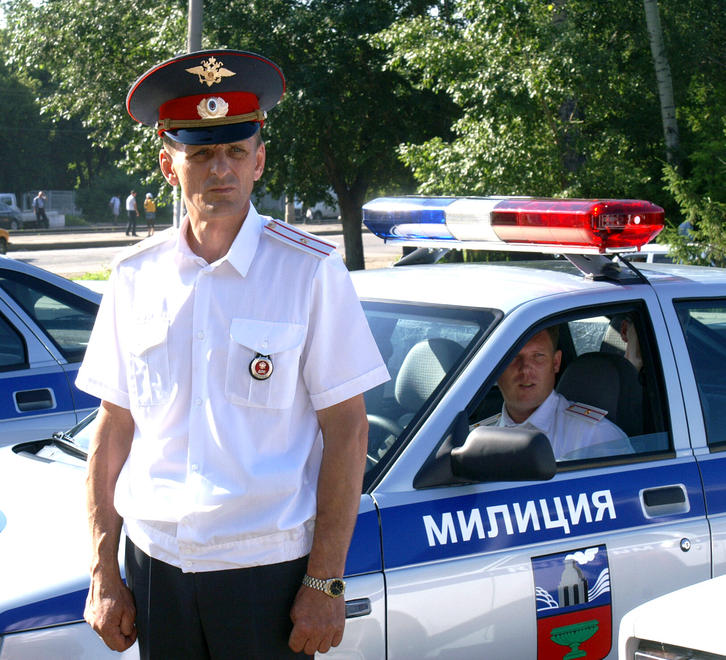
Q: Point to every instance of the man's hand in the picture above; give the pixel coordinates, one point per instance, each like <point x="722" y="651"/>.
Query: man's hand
<point x="318" y="621"/>
<point x="111" y="613"/>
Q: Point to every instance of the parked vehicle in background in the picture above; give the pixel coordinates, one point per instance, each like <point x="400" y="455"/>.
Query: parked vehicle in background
<point x="10" y="218"/>
<point x="4" y="240"/>
<point x="322" y="211"/>
<point x="45" y="324"/>
<point x="10" y="200"/>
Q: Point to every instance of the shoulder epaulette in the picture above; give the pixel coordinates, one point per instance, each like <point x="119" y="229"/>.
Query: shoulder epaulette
<point x="144" y="245"/>
<point x="297" y="238"/>
<point x="489" y="421"/>
<point x="584" y="411"/>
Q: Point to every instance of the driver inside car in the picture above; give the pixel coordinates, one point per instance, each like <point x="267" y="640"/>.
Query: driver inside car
<point x="575" y="430"/>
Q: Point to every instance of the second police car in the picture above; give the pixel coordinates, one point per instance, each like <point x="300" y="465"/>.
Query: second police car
<point x="45" y="323"/>
<point x="474" y="540"/>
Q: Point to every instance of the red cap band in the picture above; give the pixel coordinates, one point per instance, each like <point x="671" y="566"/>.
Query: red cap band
<point x="188" y="107"/>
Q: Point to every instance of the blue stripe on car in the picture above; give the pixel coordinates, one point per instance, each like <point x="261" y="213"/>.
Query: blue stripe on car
<point x="67" y="608"/>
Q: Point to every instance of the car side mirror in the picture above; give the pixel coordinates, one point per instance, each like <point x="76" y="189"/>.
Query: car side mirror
<point x="493" y="453"/>
<point x="486" y="454"/>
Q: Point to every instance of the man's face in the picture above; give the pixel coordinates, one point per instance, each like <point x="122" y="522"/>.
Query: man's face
<point x="216" y="180"/>
<point x="530" y="377"/>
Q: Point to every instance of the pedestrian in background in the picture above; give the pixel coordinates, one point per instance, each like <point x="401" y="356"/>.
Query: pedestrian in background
<point x="150" y="212"/>
<point x="133" y="213"/>
<point x="231" y="355"/>
<point x="115" y="206"/>
<point x="39" y="208"/>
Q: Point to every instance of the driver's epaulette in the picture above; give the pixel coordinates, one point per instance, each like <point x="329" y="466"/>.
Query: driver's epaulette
<point x="297" y="238"/>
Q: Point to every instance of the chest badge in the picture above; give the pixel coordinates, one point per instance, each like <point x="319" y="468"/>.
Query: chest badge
<point x="261" y="367"/>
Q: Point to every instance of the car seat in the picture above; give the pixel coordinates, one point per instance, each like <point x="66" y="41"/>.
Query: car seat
<point x="607" y="381"/>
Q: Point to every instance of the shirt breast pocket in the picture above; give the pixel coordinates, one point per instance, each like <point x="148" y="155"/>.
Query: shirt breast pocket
<point x="150" y="362"/>
<point x="282" y="342"/>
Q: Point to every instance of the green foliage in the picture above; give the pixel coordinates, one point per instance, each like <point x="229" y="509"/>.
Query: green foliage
<point x="75" y="221"/>
<point x="96" y="275"/>
<point x="344" y="112"/>
<point x="701" y="238"/>
<point x="555" y="99"/>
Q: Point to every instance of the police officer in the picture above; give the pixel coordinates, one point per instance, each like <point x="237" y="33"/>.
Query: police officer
<point x="527" y="386"/>
<point x="230" y="356"/>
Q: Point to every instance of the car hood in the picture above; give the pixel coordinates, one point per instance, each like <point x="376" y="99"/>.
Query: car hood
<point x="44" y="541"/>
<point x="691" y="618"/>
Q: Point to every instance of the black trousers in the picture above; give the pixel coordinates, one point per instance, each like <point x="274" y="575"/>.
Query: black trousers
<point x="235" y="614"/>
<point x="131" y="226"/>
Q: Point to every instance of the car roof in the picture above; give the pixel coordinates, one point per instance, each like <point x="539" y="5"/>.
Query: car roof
<point x="507" y="285"/>
<point x="8" y="263"/>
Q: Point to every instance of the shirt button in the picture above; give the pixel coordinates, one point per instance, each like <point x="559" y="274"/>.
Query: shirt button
<point x="195" y="467"/>
<point x="200" y="334"/>
<point x="198" y="402"/>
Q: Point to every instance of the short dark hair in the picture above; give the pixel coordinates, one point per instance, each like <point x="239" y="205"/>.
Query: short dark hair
<point x="554" y="332"/>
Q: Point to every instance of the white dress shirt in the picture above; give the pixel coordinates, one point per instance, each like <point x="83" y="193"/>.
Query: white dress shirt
<point x="223" y="468"/>
<point x="575" y="430"/>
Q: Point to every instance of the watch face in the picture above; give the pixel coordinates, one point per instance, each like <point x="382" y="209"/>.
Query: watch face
<point x="337" y="587"/>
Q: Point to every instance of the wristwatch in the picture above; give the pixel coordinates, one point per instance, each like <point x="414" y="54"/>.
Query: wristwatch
<point x="334" y="587"/>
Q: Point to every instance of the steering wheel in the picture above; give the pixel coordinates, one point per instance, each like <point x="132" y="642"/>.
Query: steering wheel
<point x="389" y="428"/>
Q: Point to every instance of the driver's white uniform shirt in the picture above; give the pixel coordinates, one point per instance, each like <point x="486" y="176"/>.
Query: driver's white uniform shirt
<point x="575" y="430"/>
<point x="223" y="468"/>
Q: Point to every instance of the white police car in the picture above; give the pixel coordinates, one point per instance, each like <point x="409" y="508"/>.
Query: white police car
<point x="478" y="543"/>
<point x="685" y="624"/>
<point x="45" y="323"/>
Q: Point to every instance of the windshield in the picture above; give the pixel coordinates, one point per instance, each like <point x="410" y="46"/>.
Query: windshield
<point x="422" y="345"/>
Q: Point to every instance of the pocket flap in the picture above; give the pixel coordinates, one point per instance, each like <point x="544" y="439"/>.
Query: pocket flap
<point x="148" y="333"/>
<point x="266" y="337"/>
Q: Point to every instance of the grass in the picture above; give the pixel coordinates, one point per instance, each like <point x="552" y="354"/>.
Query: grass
<point x="98" y="275"/>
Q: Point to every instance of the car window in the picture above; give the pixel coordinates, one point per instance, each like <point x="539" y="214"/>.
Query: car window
<point x="13" y="354"/>
<point x="422" y="346"/>
<point x="704" y="328"/>
<point x="65" y="318"/>
<point x="607" y="401"/>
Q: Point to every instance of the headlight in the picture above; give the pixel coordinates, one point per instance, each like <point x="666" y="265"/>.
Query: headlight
<point x="653" y="651"/>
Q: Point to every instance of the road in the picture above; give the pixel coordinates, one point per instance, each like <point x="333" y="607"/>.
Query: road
<point x="74" y="262"/>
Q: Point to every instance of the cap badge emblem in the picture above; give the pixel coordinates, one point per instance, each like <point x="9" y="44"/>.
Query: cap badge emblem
<point x="212" y="108"/>
<point x="211" y="71"/>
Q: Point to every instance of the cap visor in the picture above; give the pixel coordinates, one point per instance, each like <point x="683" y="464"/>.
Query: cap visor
<point x="215" y="134"/>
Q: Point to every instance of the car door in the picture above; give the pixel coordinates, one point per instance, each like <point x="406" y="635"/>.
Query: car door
<point x="699" y="338"/>
<point x="35" y="395"/>
<point x="45" y="329"/>
<point x="542" y="569"/>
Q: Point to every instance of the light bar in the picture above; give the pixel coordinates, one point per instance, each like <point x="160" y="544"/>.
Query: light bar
<point x="516" y="223"/>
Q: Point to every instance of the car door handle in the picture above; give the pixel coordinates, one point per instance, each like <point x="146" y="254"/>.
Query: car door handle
<point x="664" y="500"/>
<point x="357" y="607"/>
<point x="29" y="400"/>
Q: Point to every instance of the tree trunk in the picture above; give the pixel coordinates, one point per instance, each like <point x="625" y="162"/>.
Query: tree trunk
<point x="352" y="217"/>
<point x="663" y="79"/>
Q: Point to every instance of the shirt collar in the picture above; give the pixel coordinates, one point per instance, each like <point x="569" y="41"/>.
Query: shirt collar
<point x="542" y="419"/>
<point x="243" y="248"/>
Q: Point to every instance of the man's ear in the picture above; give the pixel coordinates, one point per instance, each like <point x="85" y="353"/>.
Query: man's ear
<point x="166" y="163"/>
<point x="557" y="361"/>
<point x="260" y="164"/>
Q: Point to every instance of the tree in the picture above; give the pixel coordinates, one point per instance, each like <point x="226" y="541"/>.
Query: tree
<point x="337" y="127"/>
<point x="344" y="113"/>
<point x="663" y="78"/>
<point x="81" y="56"/>
<point x="555" y="99"/>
